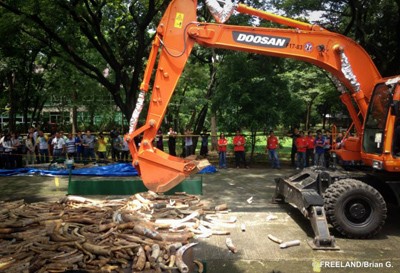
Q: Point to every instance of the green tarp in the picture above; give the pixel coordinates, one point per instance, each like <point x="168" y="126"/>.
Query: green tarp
<point x="128" y="187"/>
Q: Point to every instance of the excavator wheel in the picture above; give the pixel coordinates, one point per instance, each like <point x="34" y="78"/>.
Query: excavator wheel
<point x="354" y="208"/>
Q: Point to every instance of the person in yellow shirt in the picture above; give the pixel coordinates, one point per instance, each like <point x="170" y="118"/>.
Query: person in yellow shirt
<point x="102" y="147"/>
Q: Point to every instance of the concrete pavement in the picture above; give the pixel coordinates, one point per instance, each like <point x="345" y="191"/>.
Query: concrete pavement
<point x="259" y="254"/>
<point x="256" y="253"/>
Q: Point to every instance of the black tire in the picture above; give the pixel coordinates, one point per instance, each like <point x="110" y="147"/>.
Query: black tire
<point x="354" y="208"/>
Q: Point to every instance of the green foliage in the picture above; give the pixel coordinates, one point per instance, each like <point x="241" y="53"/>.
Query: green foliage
<point x="189" y="96"/>
<point x="22" y="82"/>
<point x="248" y="92"/>
<point x="374" y="24"/>
<point x="309" y="88"/>
<point x="63" y="48"/>
<point x="92" y="36"/>
<point x="295" y="8"/>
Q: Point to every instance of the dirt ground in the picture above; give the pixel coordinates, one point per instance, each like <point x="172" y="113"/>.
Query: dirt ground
<point x="256" y="253"/>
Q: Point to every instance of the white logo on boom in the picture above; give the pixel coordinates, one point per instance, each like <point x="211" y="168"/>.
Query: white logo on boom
<point x="262" y="40"/>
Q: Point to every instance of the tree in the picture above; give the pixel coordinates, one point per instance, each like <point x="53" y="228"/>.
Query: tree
<point x="306" y="83"/>
<point x="70" y="92"/>
<point x="21" y="77"/>
<point x="374" y="24"/>
<point x="189" y="106"/>
<point x="93" y="36"/>
<point x="249" y="98"/>
<point x="328" y="103"/>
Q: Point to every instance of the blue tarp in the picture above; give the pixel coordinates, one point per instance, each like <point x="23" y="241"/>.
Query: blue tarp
<point x="208" y="169"/>
<point x="118" y="169"/>
<point x="13" y="171"/>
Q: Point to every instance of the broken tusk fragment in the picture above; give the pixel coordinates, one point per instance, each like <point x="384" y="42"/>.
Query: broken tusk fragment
<point x="275" y="239"/>
<point x="230" y="245"/>
<point x="289" y="244"/>
<point x="221" y="207"/>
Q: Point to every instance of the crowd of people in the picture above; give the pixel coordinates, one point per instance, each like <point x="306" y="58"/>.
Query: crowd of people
<point x="239" y="142"/>
<point x="307" y="150"/>
<point x="37" y="147"/>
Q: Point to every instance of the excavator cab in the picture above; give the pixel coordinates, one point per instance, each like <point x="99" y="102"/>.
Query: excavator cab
<point x="380" y="137"/>
<point x="395" y="111"/>
<point x="375" y="123"/>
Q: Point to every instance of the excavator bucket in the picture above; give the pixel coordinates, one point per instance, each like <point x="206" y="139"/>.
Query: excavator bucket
<point x="161" y="172"/>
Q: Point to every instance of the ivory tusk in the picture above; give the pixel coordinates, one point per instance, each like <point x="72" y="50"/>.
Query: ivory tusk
<point x="179" y="260"/>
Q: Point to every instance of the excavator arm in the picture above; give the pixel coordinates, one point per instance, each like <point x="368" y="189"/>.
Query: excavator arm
<point x="179" y="31"/>
<point x="171" y="49"/>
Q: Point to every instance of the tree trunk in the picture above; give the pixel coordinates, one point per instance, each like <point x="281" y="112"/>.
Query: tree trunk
<point x="74" y="117"/>
<point x="253" y="144"/>
<point x="189" y="126"/>
<point x="12" y="112"/>
<point x="214" y="136"/>
<point x="34" y="112"/>
<point x="74" y="112"/>
<point x="39" y="111"/>
<point x="199" y="125"/>
<point x="178" y="126"/>
<point x="307" y="125"/>
<point x="92" y="120"/>
<point x="25" y="117"/>
<point x="309" y="109"/>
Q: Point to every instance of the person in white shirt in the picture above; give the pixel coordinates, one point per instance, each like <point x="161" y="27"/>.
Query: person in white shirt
<point x="58" y="143"/>
<point x="8" y="149"/>
<point x="188" y="143"/>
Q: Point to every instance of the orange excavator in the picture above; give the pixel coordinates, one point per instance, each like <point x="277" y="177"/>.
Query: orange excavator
<point x="352" y="201"/>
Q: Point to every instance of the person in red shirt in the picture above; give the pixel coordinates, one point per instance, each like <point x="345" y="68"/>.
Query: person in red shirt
<point x="301" y="145"/>
<point x="310" y="149"/>
<point x="222" y="143"/>
<point x="271" y="149"/>
<point x="239" y="142"/>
